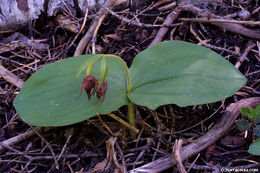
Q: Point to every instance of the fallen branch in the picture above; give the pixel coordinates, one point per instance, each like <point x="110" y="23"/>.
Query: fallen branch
<point x="207" y="20"/>
<point x="227" y="120"/>
<point x="232" y="27"/>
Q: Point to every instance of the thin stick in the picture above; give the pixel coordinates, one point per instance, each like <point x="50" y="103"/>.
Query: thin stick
<point x="140" y="24"/>
<point x="203" y="43"/>
<point x="23" y="162"/>
<point x="19" y="138"/>
<point x="232" y="27"/>
<point x="82" y="26"/>
<point x="14" y="150"/>
<point x="201" y="122"/>
<point x="105" y="125"/>
<point x="177" y="153"/>
<point x="193" y="163"/>
<point x="12" y="61"/>
<point x="243" y="57"/>
<point x="94" y="37"/>
<point x="122" y="157"/>
<point x="87" y="37"/>
<point x="163" y="30"/>
<point x="10" y="77"/>
<point x="48" y="145"/>
<point x="62" y="151"/>
<point x="206" y="20"/>
<point x="123" y="122"/>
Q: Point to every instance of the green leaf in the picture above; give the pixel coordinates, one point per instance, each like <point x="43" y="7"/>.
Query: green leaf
<point x="257" y="111"/>
<point x="103" y="72"/>
<point x="50" y="97"/>
<point x="251" y="112"/>
<point x="254" y="148"/>
<point x="177" y="72"/>
<point x="257" y="120"/>
<point x="245" y="112"/>
<point x="256" y="131"/>
<point x="87" y="62"/>
<point x="243" y="125"/>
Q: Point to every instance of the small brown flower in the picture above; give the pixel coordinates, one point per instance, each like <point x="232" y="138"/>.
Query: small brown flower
<point x="88" y="84"/>
<point x="102" y="91"/>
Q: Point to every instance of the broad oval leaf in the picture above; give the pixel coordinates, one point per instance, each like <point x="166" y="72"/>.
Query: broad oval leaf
<point x="254" y="148"/>
<point x="51" y="96"/>
<point x="243" y="125"/>
<point x="257" y="120"/>
<point x="177" y="72"/>
<point x="256" y="131"/>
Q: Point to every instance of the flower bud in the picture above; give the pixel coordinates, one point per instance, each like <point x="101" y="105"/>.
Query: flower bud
<point x="102" y="91"/>
<point x="88" y="84"/>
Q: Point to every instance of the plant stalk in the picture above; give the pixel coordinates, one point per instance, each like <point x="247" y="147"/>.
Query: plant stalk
<point x="128" y="83"/>
<point x="131" y="119"/>
<point x="128" y="86"/>
<point x="131" y="115"/>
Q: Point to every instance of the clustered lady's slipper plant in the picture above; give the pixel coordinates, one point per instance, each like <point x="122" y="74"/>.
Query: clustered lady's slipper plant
<point x="171" y="72"/>
<point x="253" y="115"/>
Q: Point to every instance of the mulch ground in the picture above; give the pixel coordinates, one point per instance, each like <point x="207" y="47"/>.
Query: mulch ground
<point x="89" y="146"/>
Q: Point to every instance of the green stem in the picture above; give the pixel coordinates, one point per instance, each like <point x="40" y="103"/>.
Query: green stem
<point x="126" y="71"/>
<point x="131" y="118"/>
<point x="131" y="115"/>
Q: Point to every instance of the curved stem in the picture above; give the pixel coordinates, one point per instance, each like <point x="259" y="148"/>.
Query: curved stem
<point x="126" y="71"/>
<point x="128" y="85"/>
<point x="131" y="115"/>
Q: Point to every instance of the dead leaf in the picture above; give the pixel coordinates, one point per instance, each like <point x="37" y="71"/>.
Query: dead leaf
<point x="233" y="141"/>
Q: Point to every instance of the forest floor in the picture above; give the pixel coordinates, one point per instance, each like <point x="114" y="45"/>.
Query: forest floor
<point x="104" y="145"/>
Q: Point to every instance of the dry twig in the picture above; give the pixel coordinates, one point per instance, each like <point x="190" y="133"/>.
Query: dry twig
<point x="207" y="20"/>
<point x="48" y="145"/>
<point x="163" y="30"/>
<point x="123" y="19"/>
<point x="94" y="37"/>
<point x="177" y="153"/>
<point x="232" y="27"/>
<point x="19" y="138"/>
<point x="81" y="28"/>
<point x="243" y="57"/>
<point x="204" y="43"/>
<point x="10" y="77"/>
<point x="88" y="36"/>
<point x="123" y="122"/>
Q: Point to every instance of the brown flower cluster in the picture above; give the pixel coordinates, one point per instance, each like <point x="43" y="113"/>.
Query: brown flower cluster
<point x="90" y="85"/>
